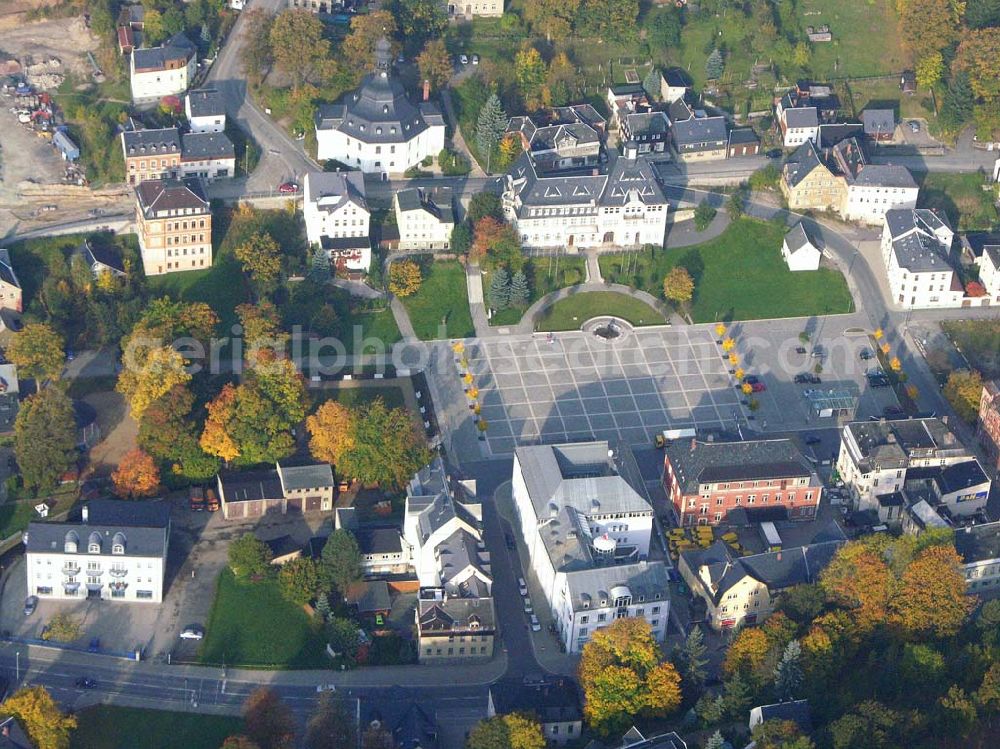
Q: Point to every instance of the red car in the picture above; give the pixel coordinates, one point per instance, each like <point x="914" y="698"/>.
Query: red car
<point x="758" y="387"/>
<point x="288" y="187"/>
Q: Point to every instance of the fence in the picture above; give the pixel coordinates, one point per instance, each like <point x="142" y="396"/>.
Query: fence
<point x="135" y="655"/>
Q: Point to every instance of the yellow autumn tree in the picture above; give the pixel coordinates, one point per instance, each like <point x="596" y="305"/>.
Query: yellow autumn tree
<point x="215" y="438"/>
<point x="859" y="579"/>
<point x="963" y="391"/>
<point x="331" y="432"/>
<point x="932" y="599"/>
<point x="148" y="374"/>
<point x="46" y="725"/>
<point x="747" y="652"/>
<point x="404" y="278"/>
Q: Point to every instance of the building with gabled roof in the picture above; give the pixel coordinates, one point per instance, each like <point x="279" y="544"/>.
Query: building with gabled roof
<point x="207" y="155"/>
<point x="587" y="525"/>
<point x="623" y="205"/>
<point x="453" y="627"/>
<point x="808" y="182"/>
<point x="11" y="296"/>
<point x="674" y="85"/>
<point x="175" y="225"/>
<point x="151" y="154"/>
<point x="743" y="590"/>
<point x="989" y="271"/>
<point x="796" y="711"/>
<point x="337" y="218"/>
<point x="205" y="110"/>
<point x="648" y="131"/>
<point x="879" y="124"/>
<point x="304" y="488"/>
<point x="376" y="128"/>
<point x="988" y="421"/>
<point x="706" y="479"/>
<point x="556" y="704"/>
<point x="700" y="138"/>
<point x="161" y="71"/>
<point x="916" y="250"/>
<point x="979" y="548"/>
<point x="425" y="219"/>
<point x="102" y="257"/>
<point x="799" y="251"/>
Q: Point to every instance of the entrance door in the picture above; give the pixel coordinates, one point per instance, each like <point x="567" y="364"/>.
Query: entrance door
<point x="609" y="237"/>
<point x="94" y="593"/>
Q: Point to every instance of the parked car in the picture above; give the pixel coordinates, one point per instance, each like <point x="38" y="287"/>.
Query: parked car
<point x="197" y="499"/>
<point x="812" y="439"/>
<point x="30" y="604"/>
<point x="814" y="379"/>
<point x="288" y="187"/>
<point x="475" y="59"/>
<point x="914" y="126"/>
<point x="320" y="688"/>
<point x="192" y="633"/>
<point x="866" y="354"/>
<point x="751" y="379"/>
<point x="527" y="606"/>
<point x="758" y="387"/>
<point x="464" y="59"/>
<point x="509" y="539"/>
<point x="522" y="587"/>
<point x="85" y="682"/>
<point x="774" y="153"/>
<point x="95" y="646"/>
<point x="802" y="378"/>
<point x="800" y="349"/>
<point x="535" y="624"/>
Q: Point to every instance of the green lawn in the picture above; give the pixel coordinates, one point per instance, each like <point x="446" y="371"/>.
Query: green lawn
<point x="251" y="624"/>
<point x="353" y="397"/>
<point x="16" y="514"/>
<point x="545" y="275"/>
<point x="962" y="199"/>
<point x="221" y="287"/>
<point x="885" y="94"/>
<point x="379" y="325"/>
<point x="570" y="313"/>
<point x="440" y="309"/>
<point x="739" y="276"/>
<point x="108" y="727"/>
<point x="979" y="341"/>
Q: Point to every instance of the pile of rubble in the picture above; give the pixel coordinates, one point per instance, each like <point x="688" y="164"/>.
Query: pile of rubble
<point x="42" y="75"/>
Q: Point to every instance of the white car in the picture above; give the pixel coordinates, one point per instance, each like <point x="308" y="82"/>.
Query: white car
<point x="464" y="59"/>
<point x="192" y="633"/>
<point x="522" y="587"/>
<point x="320" y="688"/>
<point x="527" y="605"/>
<point x="535" y="625"/>
<point x="475" y="59"/>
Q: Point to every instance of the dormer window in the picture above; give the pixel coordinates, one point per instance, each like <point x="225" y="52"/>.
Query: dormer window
<point x="72" y="543"/>
<point x="118" y="543"/>
<point x="94" y="543"/>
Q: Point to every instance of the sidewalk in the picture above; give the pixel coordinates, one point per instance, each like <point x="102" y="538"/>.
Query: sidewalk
<point x="456" y="135"/>
<point x="533" y="314"/>
<point x="474" y="286"/>
<point x="402" y="319"/>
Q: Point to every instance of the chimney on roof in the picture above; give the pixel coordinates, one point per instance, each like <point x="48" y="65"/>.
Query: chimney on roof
<point x="86" y="513"/>
<point x="427" y="90"/>
<point x="694" y="444"/>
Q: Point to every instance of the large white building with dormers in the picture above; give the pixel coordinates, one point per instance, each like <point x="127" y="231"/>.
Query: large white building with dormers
<point x="623" y="207"/>
<point x="117" y="551"/>
<point x="588" y="530"/>
<point x="337" y="217"/>
<point x="376" y="128"/>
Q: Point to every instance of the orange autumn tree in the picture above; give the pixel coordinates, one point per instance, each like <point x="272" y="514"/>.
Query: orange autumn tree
<point x="486" y="233"/>
<point x="215" y="439"/>
<point x="858" y="578"/>
<point x="932" y="599"/>
<point x="136" y="475"/>
<point x="747" y="652"/>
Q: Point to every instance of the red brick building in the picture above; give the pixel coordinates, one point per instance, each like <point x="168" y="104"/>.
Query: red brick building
<point x="988" y="428"/>
<point x="706" y="480"/>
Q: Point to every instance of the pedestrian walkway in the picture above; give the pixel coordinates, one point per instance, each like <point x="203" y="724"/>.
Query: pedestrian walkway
<point x="357" y="288"/>
<point x="593" y="267"/>
<point x="533" y="315"/>
<point x="402" y="318"/>
<point x="456" y="135"/>
<point x="474" y="285"/>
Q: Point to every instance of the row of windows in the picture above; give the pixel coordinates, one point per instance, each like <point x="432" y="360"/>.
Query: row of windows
<point x="164" y="163"/>
<point x="184" y="225"/>
<point x="603" y="617"/>
<point x="461" y="651"/>
<point x="185" y="240"/>
<point x="177" y="266"/>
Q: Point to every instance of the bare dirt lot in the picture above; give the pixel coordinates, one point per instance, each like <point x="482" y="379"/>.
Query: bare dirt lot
<point x="66" y="39"/>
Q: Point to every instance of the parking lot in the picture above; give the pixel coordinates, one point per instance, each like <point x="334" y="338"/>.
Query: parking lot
<point x="580" y="386"/>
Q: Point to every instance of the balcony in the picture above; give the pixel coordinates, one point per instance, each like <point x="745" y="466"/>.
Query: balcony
<point x="70" y="569"/>
<point x="117" y="572"/>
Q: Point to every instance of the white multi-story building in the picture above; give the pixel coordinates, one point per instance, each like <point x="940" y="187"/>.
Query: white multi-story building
<point x="207" y="155"/>
<point x="117" y="551"/>
<point x="989" y="271"/>
<point x="161" y="71"/>
<point x="588" y="531"/>
<point x="424" y="219"/>
<point x="879" y="457"/>
<point x="916" y="250"/>
<point x="798" y="124"/>
<point x="979" y="547"/>
<point x="337" y="217"/>
<point x="205" y="110"/>
<point x="473" y="8"/>
<point x="375" y="128"/>
<point x="872" y="189"/>
<point x="624" y="207"/>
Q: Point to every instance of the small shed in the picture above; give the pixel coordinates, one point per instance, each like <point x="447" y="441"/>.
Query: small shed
<point x="284" y="549"/>
<point x="799" y="251"/>
<point x="69" y="150"/>
<point x="908" y="82"/>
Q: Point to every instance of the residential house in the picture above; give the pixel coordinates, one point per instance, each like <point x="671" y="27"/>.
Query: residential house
<point x="10" y="286"/>
<point x="208" y="155"/>
<point x="916" y="250"/>
<point x="151" y="154"/>
<point x="404" y="715"/>
<point x="424" y="218"/>
<point x="443" y="527"/>
<point x="174" y="226"/>
<point x="337" y="218"/>
<point x="370" y="597"/>
<point x="375" y="128"/>
<point x="587" y="529"/>
<point x="989" y="271"/>
<point x="383" y="550"/>
<point x="10" y="397"/>
<point x="674" y="85"/>
<point x="796" y="711"/>
<point x="282" y="489"/>
<point x="872" y="189"/>
<point x="162" y="71"/>
<point x="879" y="124"/>
<point x="908" y="82"/>
<point x="876" y="456"/>
<point x="284" y="549"/>
<point x="799" y="251"/>
<point x="634" y="739"/>
<point x="560" y="145"/>
<point x="738" y="591"/>
<point x="808" y="183"/>
<point x="116" y="551"/>
<point x="555" y="703"/>
<point x="832" y="133"/>
<point x="649" y="131"/>
<point x="798" y="125"/>
<point x="743" y="141"/>
<point x="988" y="423"/>
<point x="920" y="516"/>
<point x="623" y="206"/>
<point x="102" y="257"/>
<point x="625" y="99"/>
<point x="979" y="548"/>
<point x="700" y="138"/>
<point x="706" y="480"/>
<point x="585" y="113"/>
<point x="205" y="110"/>
<point x="475" y="8"/>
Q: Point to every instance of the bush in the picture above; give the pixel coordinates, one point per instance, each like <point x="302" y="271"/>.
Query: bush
<point x="62" y="628"/>
<point x="703" y="216"/>
<point x="453" y="164"/>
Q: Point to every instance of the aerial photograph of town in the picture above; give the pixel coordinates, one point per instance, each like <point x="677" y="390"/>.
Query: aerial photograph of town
<point x="499" y="374"/>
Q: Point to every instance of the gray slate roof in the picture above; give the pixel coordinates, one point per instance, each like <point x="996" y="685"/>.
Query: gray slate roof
<point x="345" y="186"/>
<point x="691" y="134"/>
<point x="151" y="142"/>
<point x="797" y="711"/>
<point x="436" y="202"/>
<point x="157" y="195"/>
<point x="246" y="486"/>
<point x="879" y="121"/>
<point x="801" y="163"/>
<point x="379" y="540"/>
<point x="750" y="460"/>
<point x="890" y="443"/>
<point x="592" y="588"/>
<point x="885" y="175"/>
<point x="797" y="238"/>
<point x="7" y="274"/>
<point x="310" y="476"/>
<point x="992" y="251"/>
<point x="204" y="146"/>
<point x="978" y="543"/>
<point x="144" y="527"/>
<point x="456" y="615"/>
<point x="916" y="247"/>
<point x="798" y="117"/>
<point x="206" y="102"/>
<point x="178" y="47"/>
<point x="830" y="135"/>
<point x="647" y="123"/>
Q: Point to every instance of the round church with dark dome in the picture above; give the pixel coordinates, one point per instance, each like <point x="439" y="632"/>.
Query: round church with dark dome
<point x="376" y="128"/>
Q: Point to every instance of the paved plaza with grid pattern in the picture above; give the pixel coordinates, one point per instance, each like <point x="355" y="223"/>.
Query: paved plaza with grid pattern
<point x="578" y="386"/>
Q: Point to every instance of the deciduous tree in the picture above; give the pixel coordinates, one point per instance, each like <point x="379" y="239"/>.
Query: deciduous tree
<point x="404" y="278"/>
<point x="929" y="70"/>
<point x="419" y="20"/>
<point x="46" y="725"/>
<point x="299" y="580"/>
<point x="484" y="204"/>
<point x="136" y="475"/>
<point x="377" y="737"/>
<point x="434" y="64"/>
<point x="511" y="731"/>
<point x="927" y="26"/>
<point x="45" y="439"/>
<point x="529" y="70"/>
<point x="256" y="51"/>
<point x="148" y="374"/>
<point x="857" y="578"/>
<point x="38" y="352"/>
<point x="260" y="257"/>
<point x="678" y="286"/>
<point x="300" y="49"/>
<point x="388" y="449"/>
<point x="331" y="726"/>
<point x="608" y="19"/>
<point x="267" y="720"/>
<point x="932" y="599"/>
<point x="249" y="557"/>
<point x="240" y="741"/>
<point x="963" y="391"/>
<point x="358" y="48"/>
<point x="262" y="333"/>
<point x="977" y="56"/>
<point x="331" y="432"/>
<point x="747" y="652"/>
<point x="779" y="734"/>
<point x="553" y="18"/>
<point x="622" y="675"/>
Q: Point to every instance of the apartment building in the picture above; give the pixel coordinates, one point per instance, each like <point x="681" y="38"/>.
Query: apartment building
<point x="116" y="551"/>
<point x="175" y="226"/>
<point x="207" y="155"/>
<point x="587" y="530"/>
<point x="700" y="139"/>
<point x="988" y="423"/>
<point x="989" y="272"/>
<point x="560" y="145"/>
<point x="161" y="71"/>
<point x="425" y="219"/>
<point x="337" y="218"/>
<point x="916" y="250"/>
<point x="979" y="548"/>
<point x="151" y="154"/>
<point x="807" y="182"/>
<point x="706" y="480"/>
